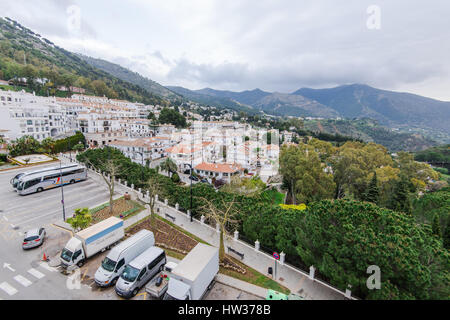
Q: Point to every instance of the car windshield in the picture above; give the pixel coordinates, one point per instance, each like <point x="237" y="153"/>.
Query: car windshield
<point x="66" y="255"/>
<point x="108" y="264"/>
<point x="130" y="274"/>
<point x="31" y="238"/>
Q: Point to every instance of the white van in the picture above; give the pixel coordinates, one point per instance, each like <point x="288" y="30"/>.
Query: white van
<point x="139" y="271"/>
<point x="114" y="263"/>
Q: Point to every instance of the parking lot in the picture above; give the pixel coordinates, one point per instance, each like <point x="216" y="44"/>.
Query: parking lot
<point x="44" y="208"/>
<point x="24" y="275"/>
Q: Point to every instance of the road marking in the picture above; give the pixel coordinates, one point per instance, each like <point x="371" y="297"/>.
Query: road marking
<point x="7" y="265"/>
<point x="72" y="206"/>
<point x="36" y="273"/>
<point x="47" y="267"/>
<point x="84" y="275"/>
<point x="23" y="281"/>
<point x="9" y="289"/>
<point x="6" y="219"/>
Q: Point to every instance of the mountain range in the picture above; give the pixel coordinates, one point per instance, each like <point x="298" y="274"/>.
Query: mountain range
<point x="403" y="112"/>
<point x="392" y="109"/>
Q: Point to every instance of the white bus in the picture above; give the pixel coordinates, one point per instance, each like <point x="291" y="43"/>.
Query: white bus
<point x="15" y="181"/>
<point x="41" y="181"/>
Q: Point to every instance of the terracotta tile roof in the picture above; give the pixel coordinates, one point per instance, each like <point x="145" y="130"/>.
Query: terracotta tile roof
<point x="182" y="148"/>
<point x="219" y="167"/>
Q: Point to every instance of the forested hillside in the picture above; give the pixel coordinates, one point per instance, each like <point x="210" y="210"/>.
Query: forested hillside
<point x="25" y="54"/>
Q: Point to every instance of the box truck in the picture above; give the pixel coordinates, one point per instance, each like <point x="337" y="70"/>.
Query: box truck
<point x="112" y="266"/>
<point x="90" y="241"/>
<point x="191" y="278"/>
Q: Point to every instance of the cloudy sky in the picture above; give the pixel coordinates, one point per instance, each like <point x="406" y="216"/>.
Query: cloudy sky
<point x="278" y="45"/>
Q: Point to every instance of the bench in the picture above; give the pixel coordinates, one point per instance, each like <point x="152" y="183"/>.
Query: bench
<point x="170" y="217"/>
<point x="240" y="255"/>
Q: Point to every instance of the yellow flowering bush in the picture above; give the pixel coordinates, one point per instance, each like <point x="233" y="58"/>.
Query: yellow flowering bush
<point x="300" y="207"/>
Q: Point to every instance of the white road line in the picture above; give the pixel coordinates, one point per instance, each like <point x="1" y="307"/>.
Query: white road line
<point x="47" y="267"/>
<point x="9" y="289"/>
<point x="36" y="273"/>
<point x="76" y="205"/>
<point x="6" y="219"/>
<point x="23" y="281"/>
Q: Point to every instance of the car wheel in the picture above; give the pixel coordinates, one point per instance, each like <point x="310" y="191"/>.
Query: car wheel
<point x="40" y="189"/>
<point x="135" y="291"/>
<point x="113" y="283"/>
<point x="72" y="181"/>
<point x="80" y="264"/>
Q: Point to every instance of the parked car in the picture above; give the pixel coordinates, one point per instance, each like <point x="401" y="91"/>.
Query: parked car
<point x="33" y="238"/>
<point x="188" y="171"/>
<point x="193" y="178"/>
<point x="204" y="180"/>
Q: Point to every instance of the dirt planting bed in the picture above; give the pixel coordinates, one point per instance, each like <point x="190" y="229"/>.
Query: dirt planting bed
<point x="166" y="236"/>
<point x="121" y="207"/>
<point x="170" y="238"/>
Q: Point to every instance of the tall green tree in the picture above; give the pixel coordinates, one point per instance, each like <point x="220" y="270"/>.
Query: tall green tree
<point x="305" y="175"/>
<point x="343" y="238"/>
<point x="400" y="200"/>
<point x="447" y="237"/>
<point x="373" y="192"/>
<point x="436" y="226"/>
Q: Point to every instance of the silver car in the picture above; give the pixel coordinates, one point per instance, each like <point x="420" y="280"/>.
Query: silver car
<point x="33" y="238"/>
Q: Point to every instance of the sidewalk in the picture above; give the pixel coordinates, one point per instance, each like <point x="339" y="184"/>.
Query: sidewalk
<point x="242" y="285"/>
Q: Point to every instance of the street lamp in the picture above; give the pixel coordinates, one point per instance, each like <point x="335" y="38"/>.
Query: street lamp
<point x="62" y="191"/>
<point x="192" y="156"/>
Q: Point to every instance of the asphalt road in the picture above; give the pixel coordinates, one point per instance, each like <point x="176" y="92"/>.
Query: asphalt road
<point x="44" y="208"/>
<point x="22" y="273"/>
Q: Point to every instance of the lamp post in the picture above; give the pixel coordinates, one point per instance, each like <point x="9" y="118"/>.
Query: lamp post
<point x="192" y="156"/>
<point x="62" y="190"/>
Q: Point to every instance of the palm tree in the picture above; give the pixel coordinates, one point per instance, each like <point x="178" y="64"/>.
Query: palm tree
<point x="169" y="166"/>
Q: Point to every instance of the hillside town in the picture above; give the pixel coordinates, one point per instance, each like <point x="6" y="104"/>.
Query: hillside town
<point x="216" y="149"/>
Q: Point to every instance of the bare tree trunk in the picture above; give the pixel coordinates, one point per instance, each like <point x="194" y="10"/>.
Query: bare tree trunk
<point x="221" y="245"/>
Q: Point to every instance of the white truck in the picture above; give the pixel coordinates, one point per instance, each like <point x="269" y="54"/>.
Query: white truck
<point x="90" y="241"/>
<point x="191" y="278"/>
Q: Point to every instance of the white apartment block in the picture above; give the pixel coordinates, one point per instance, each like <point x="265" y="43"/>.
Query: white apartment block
<point x="23" y="113"/>
<point x="143" y="149"/>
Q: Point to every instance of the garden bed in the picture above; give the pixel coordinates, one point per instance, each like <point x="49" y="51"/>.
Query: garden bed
<point x="166" y="236"/>
<point x="121" y="209"/>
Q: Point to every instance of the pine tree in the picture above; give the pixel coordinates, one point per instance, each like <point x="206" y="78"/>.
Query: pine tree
<point x="400" y="196"/>
<point x="373" y="192"/>
<point x="447" y="237"/>
<point x="436" y="226"/>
